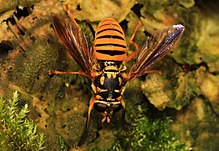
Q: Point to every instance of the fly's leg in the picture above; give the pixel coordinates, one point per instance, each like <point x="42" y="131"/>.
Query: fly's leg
<point x="70" y="16"/>
<point x="84" y="135"/>
<point x="131" y="40"/>
<point x="99" y="127"/>
<point x="153" y="71"/>
<point x="134" y="44"/>
<point x="52" y="72"/>
<point x="123" y="113"/>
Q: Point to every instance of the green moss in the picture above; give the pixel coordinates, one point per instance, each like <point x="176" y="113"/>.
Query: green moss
<point x="16" y="131"/>
<point x="61" y="143"/>
<point x="151" y="132"/>
<point x="154" y="135"/>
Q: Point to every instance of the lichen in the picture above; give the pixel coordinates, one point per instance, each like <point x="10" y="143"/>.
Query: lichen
<point x="94" y="11"/>
<point x="209" y="85"/>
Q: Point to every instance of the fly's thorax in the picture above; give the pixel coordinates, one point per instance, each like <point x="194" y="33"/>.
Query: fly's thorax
<point x="108" y="86"/>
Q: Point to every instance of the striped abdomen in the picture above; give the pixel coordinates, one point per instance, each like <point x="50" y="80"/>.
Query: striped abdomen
<point x="109" y="43"/>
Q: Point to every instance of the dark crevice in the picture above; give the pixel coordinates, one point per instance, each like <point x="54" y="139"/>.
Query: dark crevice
<point x="41" y="97"/>
<point x="63" y="126"/>
<point x="147" y="33"/>
<point x="208" y="7"/>
<point x="187" y="67"/>
<point x="78" y="7"/>
<point x="192" y="67"/>
<point x="215" y="73"/>
<point x="19" y="13"/>
<point x="124" y="25"/>
<point x="5" y="47"/>
<point x="136" y="9"/>
<point x="91" y="29"/>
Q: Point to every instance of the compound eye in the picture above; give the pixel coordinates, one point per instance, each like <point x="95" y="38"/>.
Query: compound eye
<point x="99" y="107"/>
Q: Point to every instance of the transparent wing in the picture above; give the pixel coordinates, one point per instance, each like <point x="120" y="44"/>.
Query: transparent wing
<point x="155" y="48"/>
<point x="76" y="43"/>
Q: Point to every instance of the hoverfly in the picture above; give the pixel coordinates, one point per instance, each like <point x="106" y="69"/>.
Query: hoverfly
<point x="104" y="63"/>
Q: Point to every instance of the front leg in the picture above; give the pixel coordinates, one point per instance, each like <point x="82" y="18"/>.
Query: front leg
<point x="52" y="72"/>
<point x="134" y="44"/>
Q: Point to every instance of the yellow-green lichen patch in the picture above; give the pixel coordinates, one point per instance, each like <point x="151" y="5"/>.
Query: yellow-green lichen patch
<point x="173" y="87"/>
<point x="208" y="44"/>
<point x="187" y="89"/>
<point x="154" y="91"/>
<point x="187" y="3"/>
<point x="94" y="11"/>
<point x="209" y="85"/>
<point x="198" y="125"/>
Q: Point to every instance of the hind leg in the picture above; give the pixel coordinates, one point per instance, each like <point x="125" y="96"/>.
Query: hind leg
<point x="84" y="135"/>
